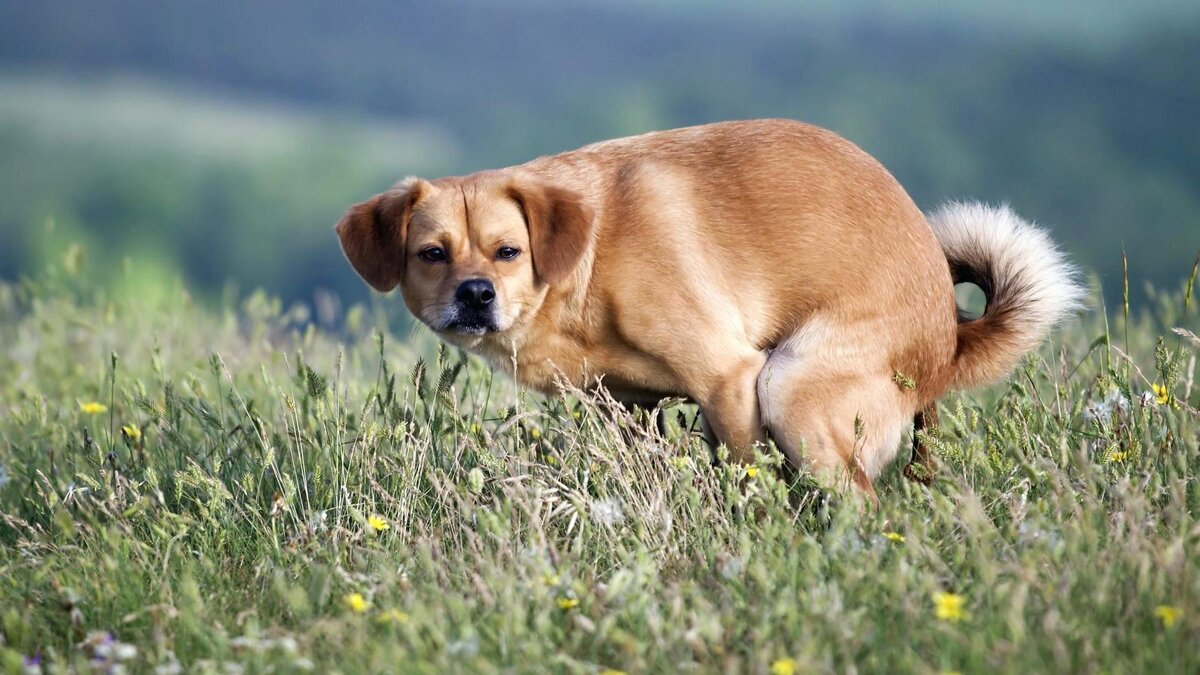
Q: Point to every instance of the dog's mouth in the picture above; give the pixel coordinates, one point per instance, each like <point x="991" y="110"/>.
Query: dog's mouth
<point x="475" y="327"/>
<point x="458" y="319"/>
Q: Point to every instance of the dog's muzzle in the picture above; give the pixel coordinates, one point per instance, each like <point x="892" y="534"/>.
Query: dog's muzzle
<point x="473" y="311"/>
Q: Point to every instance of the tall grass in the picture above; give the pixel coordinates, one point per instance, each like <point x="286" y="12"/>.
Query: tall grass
<point x="252" y="493"/>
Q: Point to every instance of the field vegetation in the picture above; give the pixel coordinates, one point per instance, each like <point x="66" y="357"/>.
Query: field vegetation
<point x="228" y="488"/>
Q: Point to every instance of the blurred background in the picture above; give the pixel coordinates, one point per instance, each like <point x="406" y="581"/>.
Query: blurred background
<point x="144" y="142"/>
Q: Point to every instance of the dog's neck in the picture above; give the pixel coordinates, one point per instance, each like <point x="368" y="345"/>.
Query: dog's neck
<point x="563" y="325"/>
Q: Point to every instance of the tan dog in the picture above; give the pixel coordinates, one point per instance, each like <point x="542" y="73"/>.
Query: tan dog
<point x="769" y="270"/>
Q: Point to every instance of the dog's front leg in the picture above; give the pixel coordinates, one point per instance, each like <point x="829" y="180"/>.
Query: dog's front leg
<point x="729" y="405"/>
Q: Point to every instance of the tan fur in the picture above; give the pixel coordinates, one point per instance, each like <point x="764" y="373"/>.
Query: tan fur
<point x="769" y="270"/>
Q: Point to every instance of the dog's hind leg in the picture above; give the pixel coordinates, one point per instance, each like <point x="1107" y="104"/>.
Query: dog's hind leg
<point x="833" y="408"/>
<point x="922" y="467"/>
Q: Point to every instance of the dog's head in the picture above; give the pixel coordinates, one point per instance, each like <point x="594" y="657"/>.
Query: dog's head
<point x="472" y="256"/>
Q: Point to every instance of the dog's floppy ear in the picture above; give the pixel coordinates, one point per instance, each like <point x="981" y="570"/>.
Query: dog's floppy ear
<point x="560" y="227"/>
<point x="373" y="233"/>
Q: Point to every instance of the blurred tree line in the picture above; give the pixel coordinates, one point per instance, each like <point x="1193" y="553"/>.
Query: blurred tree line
<point x="1096" y="139"/>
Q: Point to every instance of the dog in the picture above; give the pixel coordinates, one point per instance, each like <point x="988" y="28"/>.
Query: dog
<point x="768" y="270"/>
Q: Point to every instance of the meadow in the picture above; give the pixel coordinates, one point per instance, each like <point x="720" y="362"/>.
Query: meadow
<point x="232" y="487"/>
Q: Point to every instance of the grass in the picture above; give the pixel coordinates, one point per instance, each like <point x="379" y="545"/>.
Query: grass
<point x="252" y="493"/>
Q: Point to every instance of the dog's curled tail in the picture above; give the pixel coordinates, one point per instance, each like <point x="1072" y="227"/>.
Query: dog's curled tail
<point x="1026" y="279"/>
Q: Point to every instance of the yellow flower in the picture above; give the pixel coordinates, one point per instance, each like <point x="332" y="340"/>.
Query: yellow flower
<point x="551" y="580"/>
<point x="1117" y="456"/>
<point x="783" y="667"/>
<point x="536" y="433"/>
<point x="567" y="603"/>
<point x="393" y="616"/>
<point x="131" y="432"/>
<point x="93" y="408"/>
<point x="894" y="536"/>
<point x="475" y="428"/>
<point x="1161" y="395"/>
<point x="751" y="471"/>
<point x="949" y="606"/>
<point x="1169" y="614"/>
<point x="377" y="523"/>
<point x="356" y="602"/>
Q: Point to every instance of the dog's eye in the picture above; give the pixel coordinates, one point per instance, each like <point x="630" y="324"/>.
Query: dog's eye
<point x="433" y="254"/>
<point x="507" y="253"/>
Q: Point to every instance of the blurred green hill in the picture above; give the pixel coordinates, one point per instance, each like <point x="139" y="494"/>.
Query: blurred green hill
<point x="221" y="140"/>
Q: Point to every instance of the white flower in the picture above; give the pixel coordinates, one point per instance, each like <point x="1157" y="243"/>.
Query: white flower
<point x="732" y="567"/>
<point x="1117" y="402"/>
<point x="286" y="643"/>
<point x="1114" y="403"/>
<point x="464" y="647"/>
<point x="171" y="667"/>
<point x="123" y="651"/>
<point x="607" y="511"/>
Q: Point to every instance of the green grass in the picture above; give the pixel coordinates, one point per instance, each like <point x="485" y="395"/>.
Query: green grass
<point x="559" y="535"/>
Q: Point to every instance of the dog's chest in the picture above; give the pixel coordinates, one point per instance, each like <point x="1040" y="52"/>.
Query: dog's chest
<point x="552" y="361"/>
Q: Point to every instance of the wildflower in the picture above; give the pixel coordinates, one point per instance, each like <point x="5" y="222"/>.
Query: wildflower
<point x="566" y="603"/>
<point x="1168" y="614"/>
<point x="244" y="642"/>
<point x="356" y="602"/>
<point x="93" y="408"/>
<point x="378" y="523"/>
<point x="607" y="511"/>
<point x="131" y="432"/>
<point x="1117" y="402"/>
<point x="751" y="471"/>
<point x="732" y="567"/>
<point x="475" y="428"/>
<point x="1113" y="404"/>
<point x="949" y="606"/>
<point x="1161" y="395"/>
<point x="286" y="643"/>
<point x="105" y="647"/>
<point x="894" y="536"/>
<point x="393" y="616"/>
<point x="784" y="667"/>
<point x="1116" y="456"/>
<point x="464" y="647"/>
<point x="551" y="580"/>
<point x="535" y="433"/>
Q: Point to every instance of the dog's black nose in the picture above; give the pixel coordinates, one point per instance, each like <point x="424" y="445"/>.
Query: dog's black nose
<point x="475" y="293"/>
